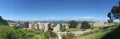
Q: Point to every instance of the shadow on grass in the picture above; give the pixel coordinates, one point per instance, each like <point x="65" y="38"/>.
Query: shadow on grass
<point x="115" y="34"/>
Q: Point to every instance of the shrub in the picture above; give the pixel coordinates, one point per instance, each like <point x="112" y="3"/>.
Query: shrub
<point x="68" y="36"/>
<point x="2" y="21"/>
<point x="7" y="32"/>
<point x="50" y="33"/>
<point x="73" y="24"/>
<point x="62" y="28"/>
<point x="85" y="25"/>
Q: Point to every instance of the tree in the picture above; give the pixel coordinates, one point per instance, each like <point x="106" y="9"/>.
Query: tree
<point x="85" y="25"/>
<point x="73" y="24"/>
<point x="110" y="21"/>
<point x="114" y="13"/>
<point x="2" y="21"/>
<point x="26" y="24"/>
<point x="62" y="28"/>
<point x="110" y="16"/>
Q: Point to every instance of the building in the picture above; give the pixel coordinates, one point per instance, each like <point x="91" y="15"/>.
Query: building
<point x="41" y="26"/>
<point x="99" y="23"/>
<point x="44" y="26"/>
<point x="33" y="26"/>
<point x="47" y="27"/>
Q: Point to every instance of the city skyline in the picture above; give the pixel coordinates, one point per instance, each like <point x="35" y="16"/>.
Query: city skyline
<point x="56" y="9"/>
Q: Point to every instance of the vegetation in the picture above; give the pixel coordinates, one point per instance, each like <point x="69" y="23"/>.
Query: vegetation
<point x="73" y="24"/>
<point x="98" y="33"/>
<point x="2" y="21"/>
<point x="93" y="36"/>
<point x="62" y="28"/>
<point x="50" y="33"/>
<point x="114" y="34"/>
<point x="110" y="21"/>
<point x="72" y="29"/>
<point x="85" y="25"/>
<point x="114" y="13"/>
<point x="69" y="36"/>
<point x="7" y="32"/>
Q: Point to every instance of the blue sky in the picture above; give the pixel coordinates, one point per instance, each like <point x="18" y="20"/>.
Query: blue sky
<point x="56" y="9"/>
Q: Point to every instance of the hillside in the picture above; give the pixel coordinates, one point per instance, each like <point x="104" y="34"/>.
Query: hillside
<point x="111" y="32"/>
<point x="7" y="32"/>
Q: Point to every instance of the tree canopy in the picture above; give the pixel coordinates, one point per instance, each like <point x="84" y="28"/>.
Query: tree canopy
<point x="85" y="25"/>
<point x="73" y="24"/>
<point x="2" y="21"/>
<point x="114" y="13"/>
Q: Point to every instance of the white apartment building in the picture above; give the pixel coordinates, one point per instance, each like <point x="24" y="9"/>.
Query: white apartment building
<point x="44" y="26"/>
<point x="99" y="23"/>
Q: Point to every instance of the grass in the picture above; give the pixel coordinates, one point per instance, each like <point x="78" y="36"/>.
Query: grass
<point x="99" y="34"/>
<point x="93" y="36"/>
<point x="73" y="29"/>
<point x="7" y="32"/>
<point x="14" y="33"/>
<point x="53" y="37"/>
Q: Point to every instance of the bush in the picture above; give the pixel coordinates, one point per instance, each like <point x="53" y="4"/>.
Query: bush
<point x="7" y="32"/>
<point x="68" y="36"/>
<point x="62" y="28"/>
<point x="51" y="34"/>
<point x="73" y="24"/>
<point x="3" y="22"/>
<point x="85" y="25"/>
<point x="98" y="33"/>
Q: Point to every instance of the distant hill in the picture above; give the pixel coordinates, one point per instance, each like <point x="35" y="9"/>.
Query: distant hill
<point x="60" y="22"/>
<point x="57" y="22"/>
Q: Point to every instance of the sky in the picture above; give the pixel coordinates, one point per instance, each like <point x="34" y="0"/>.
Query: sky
<point x="56" y="9"/>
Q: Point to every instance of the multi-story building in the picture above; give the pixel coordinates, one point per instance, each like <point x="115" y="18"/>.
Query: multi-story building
<point x="99" y="23"/>
<point x="33" y="26"/>
<point x="44" y="26"/>
<point x="41" y="26"/>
